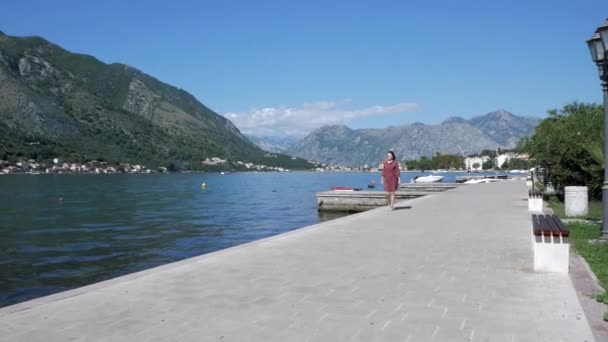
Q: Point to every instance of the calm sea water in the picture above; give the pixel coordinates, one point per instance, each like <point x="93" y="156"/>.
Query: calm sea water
<point x="59" y="232"/>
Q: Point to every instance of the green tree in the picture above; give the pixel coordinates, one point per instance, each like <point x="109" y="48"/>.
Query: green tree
<point x="516" y="164"/>
<point x="490" y="153"/>
<point x="412" y="164"/>
<point x="447" y="161"/>
<point x="425" y="163"/>
<point x="488" y="164"/>
<point x="562" y="144"/>
<point x="596" y="150"/>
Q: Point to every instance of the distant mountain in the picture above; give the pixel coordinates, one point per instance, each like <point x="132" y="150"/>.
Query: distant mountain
<point x="54" y="103"/>
<point x="505" y="128"/>
<point x="273" y="143"/>
<point x="344" y="146"/>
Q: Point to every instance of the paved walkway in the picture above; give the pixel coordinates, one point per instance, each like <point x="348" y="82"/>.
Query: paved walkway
<point x="454" y="267"/>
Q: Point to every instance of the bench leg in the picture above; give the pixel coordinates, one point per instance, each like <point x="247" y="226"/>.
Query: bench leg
<point x="535" y="204"/>
<point x="551" y="254"/>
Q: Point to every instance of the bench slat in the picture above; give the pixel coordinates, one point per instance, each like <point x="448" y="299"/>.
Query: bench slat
<point x="551" y="220"/>
<point x="548" y="225"/>
<point x="560" y="225"/>
<point x="536" y="227"/>
<point x="542" y="222"/>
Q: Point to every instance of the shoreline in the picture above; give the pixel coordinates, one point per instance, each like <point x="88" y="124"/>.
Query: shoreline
<point x="299" y="284"/>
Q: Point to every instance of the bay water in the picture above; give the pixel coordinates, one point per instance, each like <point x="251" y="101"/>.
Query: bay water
<point x="58" y="232"/>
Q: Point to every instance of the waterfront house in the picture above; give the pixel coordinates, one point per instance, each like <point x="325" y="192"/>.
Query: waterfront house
<point x="475" y="163"/>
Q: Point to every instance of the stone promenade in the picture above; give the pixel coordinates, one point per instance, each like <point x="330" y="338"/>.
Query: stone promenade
<point x="456" y="266"/>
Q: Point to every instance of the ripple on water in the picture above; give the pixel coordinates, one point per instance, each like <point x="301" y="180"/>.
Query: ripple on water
<point x="108" y="225"/>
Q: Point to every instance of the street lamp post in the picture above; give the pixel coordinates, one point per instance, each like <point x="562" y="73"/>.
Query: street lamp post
<point x="598" y="46"/>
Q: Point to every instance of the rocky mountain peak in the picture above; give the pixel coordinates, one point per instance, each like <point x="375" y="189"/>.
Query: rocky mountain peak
<point x="455" y="135"/>
<point x="335" y="128"/>
<point x="500" y="114"/>
<point x="454" y="120"/>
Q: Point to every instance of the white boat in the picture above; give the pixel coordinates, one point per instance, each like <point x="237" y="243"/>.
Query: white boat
<point x="428" y="179"/>
<point x="483" y="180"/>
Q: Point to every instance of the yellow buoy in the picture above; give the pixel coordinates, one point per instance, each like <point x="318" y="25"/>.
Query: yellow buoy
<point x="204" y="185"/>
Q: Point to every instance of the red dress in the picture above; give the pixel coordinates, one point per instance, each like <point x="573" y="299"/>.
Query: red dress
<point x="390" y="175"/>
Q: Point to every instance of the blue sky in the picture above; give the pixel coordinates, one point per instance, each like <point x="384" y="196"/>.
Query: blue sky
<point x="286" y="67"/>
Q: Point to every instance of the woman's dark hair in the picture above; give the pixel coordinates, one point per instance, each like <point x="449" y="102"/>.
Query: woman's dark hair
<point x="393" y="153"/>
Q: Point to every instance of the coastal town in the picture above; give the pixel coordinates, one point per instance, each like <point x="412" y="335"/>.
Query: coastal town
<point x="58" y="166"/>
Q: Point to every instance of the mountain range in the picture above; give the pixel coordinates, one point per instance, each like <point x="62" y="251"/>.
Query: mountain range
<point x="55" y="103"/>
<point x="344" y="146"/>
<point x="275" y="144"/>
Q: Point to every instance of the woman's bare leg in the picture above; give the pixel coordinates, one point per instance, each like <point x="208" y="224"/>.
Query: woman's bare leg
<point x="392" y="199"/>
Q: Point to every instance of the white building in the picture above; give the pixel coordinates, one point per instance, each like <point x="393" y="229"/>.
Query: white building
<point x="506" y="157"/>
<point x="214" y="161"/>
<point x="475" y="163"/>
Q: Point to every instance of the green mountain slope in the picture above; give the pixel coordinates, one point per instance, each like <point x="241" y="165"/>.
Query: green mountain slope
<point x="54" y="103"/>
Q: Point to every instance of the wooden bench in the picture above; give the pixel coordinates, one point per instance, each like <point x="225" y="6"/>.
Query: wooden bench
<point x="550" y="244"/>
<point x="548" y="225"/>
<point x="535" y="201"/>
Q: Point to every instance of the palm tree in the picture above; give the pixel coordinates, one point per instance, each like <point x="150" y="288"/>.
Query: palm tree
<point x="596" y="151"/>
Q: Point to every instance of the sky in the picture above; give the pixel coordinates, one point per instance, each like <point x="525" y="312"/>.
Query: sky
<point x="288" y="67"/>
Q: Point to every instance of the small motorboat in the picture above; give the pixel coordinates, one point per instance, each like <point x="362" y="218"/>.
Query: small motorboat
<point x="371" y="184"/>
<point x="428" y="179"/>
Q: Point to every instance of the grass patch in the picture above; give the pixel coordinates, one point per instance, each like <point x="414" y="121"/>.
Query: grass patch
<point x="584" y="238"/>
<point x="595" y="210"/>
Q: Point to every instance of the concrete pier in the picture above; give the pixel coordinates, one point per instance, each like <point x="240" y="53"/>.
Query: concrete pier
<point x="456" y="266"/>
<point x="429" y="187"/>
<point x="356" y="201"/>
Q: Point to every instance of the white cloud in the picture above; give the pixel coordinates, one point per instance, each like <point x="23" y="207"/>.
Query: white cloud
<point x="298" y="121"/>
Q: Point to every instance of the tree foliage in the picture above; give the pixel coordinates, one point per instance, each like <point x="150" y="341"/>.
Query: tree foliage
<point x="488" y="164"/>
<point x="516" y="164"/>
<point x="439" y="161"/>
<point x="565" y="145"/>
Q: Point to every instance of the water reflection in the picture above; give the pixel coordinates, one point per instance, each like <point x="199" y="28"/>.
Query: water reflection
<point x="63" y="231"/>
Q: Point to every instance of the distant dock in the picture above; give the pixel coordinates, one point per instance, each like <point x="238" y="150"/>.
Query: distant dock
<point x="429" y="187"/>
<point x="357" y="201"/>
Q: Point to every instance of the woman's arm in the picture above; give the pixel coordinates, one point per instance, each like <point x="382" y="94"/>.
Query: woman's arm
<point x="398" y="174"/>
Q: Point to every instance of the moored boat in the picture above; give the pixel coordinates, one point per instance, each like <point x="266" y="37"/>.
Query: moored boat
<point x="427" y="179"/>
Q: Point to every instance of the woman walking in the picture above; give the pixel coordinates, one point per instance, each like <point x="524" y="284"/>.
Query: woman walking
<point x="391" y="177"/>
